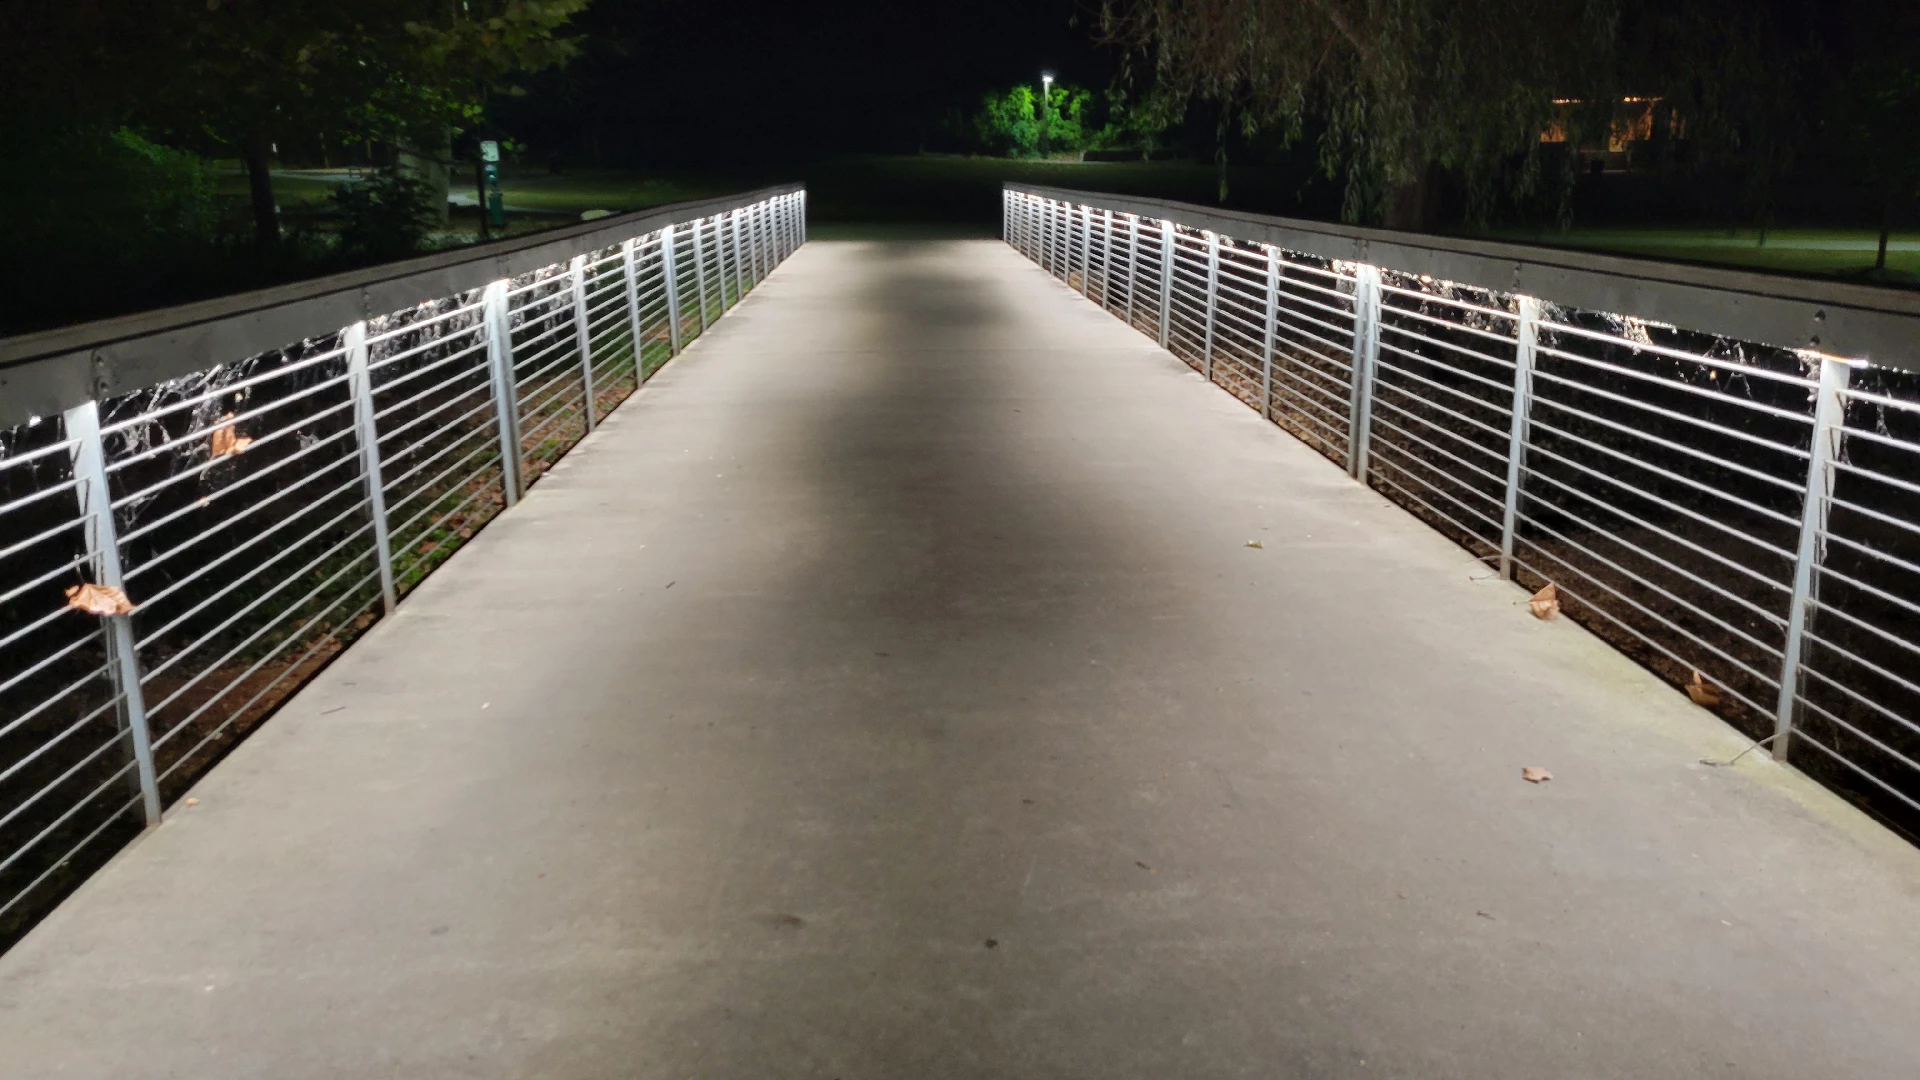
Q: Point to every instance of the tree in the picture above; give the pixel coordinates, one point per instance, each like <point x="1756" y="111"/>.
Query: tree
<point x="1872" y="111"/>
<point x="1403" y="90"/>
<point x="1010" y="122"/>
<point x="247" y="74"/>
<point x="1401" y="86"/>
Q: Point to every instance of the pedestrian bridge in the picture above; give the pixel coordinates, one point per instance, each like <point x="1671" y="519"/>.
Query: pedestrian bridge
<point x="925" y="674"/>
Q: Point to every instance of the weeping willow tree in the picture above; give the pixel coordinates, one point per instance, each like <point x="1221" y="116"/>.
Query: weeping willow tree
<point x="1401" y="91"/>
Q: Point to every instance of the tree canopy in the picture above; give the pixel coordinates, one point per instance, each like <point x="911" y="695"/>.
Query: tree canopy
<point x="1394" y="90"/>
<point x="245" y="74"/>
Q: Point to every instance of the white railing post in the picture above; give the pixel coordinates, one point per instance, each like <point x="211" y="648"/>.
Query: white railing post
<point x="1526" y="338"/>
<point x="700" y="272"/>
<point x="1133" y="262"/>
<point x="756" y="243"/>
<point x="582" y="333"/>
<point x="1106" y="259"/>
<point x="103" y="546"/>
<point x="1166" y="281"/>
<point x="1829" y="428"/>
<point x="1366" y="349"/>
<point x="1047" y="237"/>
<point x="630" y="273"/>
<point x="1270" y="329"/>
<point x="739" y="265"/>
<point x="668" y="257"/>
<point x="1084" y="224"/>
<point x="1213" y="301"/>
<point x="360" y="385"/>
<point x="1069" y="232"/>
<point x="506" y="393"/>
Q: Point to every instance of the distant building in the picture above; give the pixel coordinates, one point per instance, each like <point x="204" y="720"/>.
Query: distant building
<point x="1638" y="122"/>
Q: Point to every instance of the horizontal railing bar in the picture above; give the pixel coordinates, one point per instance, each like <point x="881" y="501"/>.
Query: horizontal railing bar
<point x="1840" y="318"/>
<point x="53" y="370"/>
<point x="1681" y="448"/>
<point x="1735" y="366"/>
<point x="1706" y="425"/>
<point x="1714" y="394"/>
<point x="1803" y="738"/>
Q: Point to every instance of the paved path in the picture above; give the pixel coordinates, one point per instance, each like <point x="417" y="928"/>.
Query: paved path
<point x="887" y="692"/>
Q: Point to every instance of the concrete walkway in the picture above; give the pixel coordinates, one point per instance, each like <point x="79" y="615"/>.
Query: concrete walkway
<point x="888" y="692"/>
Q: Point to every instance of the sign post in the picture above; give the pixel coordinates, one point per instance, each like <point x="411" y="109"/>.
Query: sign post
<point x="493" y="208"/>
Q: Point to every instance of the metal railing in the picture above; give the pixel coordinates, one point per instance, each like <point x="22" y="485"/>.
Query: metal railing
<point x="257" y="510"/>
<point x="1741" y="517"/>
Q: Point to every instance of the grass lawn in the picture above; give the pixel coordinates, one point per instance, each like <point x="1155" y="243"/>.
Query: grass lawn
<point x="1815" y="252"/>
<point x="938" y="195"/>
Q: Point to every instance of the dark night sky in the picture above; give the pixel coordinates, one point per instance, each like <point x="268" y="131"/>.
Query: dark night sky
<point x="703" y="80"/>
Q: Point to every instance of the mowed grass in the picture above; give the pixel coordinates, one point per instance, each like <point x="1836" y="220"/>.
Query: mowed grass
<point x="959" y="195"/>
<point x="1843" y="253"/>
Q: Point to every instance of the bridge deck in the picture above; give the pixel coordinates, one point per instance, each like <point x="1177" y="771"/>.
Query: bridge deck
<point x="889" y="691"/>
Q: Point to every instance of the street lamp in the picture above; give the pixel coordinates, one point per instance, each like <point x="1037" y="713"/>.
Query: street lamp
<point x="1046" y="109"/>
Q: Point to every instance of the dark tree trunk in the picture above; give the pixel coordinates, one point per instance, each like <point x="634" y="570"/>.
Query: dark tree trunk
<point x="1415" y="207"/>
<point x="1886" y="229"/>
<point x="480" y="192"/>
<point x="257" y="152"/>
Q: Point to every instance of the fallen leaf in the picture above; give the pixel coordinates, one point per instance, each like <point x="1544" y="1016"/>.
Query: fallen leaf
<point x="1483" y="914"/>
<point x="1545" y="603"/>
<point x="98" y="600"/>
<point x="1534" y="774"/>
<point x="1255" y="544"/>
<point x="466" y="534"/>
<point x="193" y="802"/>
<point x="224" y="442"/>
<point x="427" y="547"/>
<point x="1703" y="692"/>
<point x="991" y="943"/>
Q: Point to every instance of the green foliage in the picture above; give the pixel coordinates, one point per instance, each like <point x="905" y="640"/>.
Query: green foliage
<point x="1009" y="123"/>
<point x="385" y="216"/>
<point x="1397" y="90"/>
<point x="93" y="194"/>
<point x="1396" y="86"/>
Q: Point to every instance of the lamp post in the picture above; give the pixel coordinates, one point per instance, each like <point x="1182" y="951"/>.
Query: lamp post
<point x="1046" y="110"/>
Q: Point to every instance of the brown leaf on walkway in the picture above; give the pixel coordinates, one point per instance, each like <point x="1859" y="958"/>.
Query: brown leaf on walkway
<point x="1703" y="692"/>
<point x="1545" y="603"/>
<point x="98" y="600"/>
<point x="224" y="442"/>
<point x="1534" y="774"/>
<point x="1255" y="544"/>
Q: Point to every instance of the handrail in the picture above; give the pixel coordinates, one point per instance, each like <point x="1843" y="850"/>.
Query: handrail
<point x="262" y="477"/>
<point x="47" y="372"/>
<point x="1640" y="442"/>
<point x="1866" y="322"/>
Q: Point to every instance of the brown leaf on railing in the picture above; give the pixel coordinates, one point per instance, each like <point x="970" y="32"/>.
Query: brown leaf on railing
<point x="99" y="600"/>
<point x="224" y="442"/>
<point x="1545" y="603"/>
<point x="1703" y="692"/>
